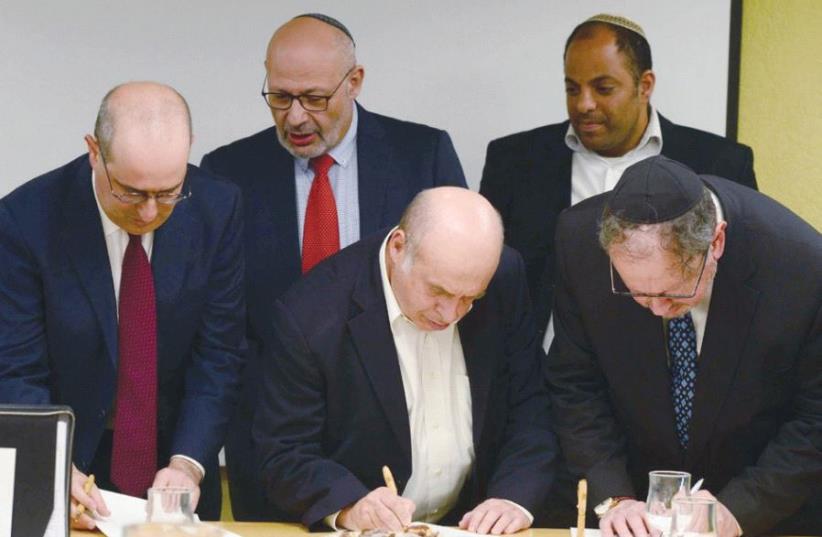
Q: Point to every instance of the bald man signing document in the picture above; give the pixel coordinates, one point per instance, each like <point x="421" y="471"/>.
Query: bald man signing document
<point x="415" y="349"/>
<point x="121" y="296"/>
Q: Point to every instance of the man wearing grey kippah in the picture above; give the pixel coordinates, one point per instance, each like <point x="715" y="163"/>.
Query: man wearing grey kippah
<point x="328" y="173"/>
<point x="691" y="341"/>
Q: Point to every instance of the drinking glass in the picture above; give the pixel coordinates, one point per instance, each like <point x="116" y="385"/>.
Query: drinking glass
<point x="158" y="529"/>
<point x="663" y="485"/>
<point x="170" y="505"/>
<point x="693" y="517"/>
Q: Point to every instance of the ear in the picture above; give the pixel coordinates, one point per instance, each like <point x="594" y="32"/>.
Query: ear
<point x="647" y="80"/>
<point x="718" y="242"/>
<point x="355" y="81"/>
<point x="93" y="150"/>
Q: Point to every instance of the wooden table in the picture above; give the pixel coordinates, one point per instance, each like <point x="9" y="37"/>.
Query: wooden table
<point x="279" y="529"/>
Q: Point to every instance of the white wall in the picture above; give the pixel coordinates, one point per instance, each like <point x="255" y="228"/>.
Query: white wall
<point x="478" y="68"/>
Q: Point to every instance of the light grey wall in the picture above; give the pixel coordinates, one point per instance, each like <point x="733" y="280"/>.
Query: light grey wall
<point x="478" y="68"/>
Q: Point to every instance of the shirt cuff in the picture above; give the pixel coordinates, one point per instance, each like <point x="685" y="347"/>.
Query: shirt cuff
<point x="331" y="521"/>
<point x="525" y="511"/>
<point x="193" y="462"/>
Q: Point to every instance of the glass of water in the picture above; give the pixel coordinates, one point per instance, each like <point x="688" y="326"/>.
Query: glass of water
<point x="169" y="505"/>
<point x="663" y="485"/>
<point x="693" y="517"/>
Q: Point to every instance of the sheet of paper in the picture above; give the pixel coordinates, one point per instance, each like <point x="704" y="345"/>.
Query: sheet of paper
<point x="445" y="531"/>
<point x="8" y="456"/>
<point x="125" y="510"/>
<point x="588" y="532"/>
<point x="57" y="523"/>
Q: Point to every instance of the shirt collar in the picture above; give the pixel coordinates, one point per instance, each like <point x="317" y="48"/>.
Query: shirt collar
<point x="343" y="151"/>
<point x="652" y="135"/>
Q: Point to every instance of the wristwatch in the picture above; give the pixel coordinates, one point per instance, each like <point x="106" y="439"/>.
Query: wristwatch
<point x="609" y="503"/>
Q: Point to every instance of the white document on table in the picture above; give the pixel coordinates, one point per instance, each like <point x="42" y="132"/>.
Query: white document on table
<point x="125" y="510"/>
<point x="57" y="523"/>
<point x="8" y="456"/>
<point x="445" y="531"/>
<point x="588" y="532"/>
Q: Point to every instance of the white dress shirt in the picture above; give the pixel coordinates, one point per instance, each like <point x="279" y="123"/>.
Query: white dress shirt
<point x="593" y="174"/>
<point x="438" y="399"/>
<point x="343" y="176"/>
<point x="116" y="243"/>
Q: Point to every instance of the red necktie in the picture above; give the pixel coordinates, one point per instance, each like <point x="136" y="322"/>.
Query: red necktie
<point x="321" y="232"/>
<point x="134" y="450"/>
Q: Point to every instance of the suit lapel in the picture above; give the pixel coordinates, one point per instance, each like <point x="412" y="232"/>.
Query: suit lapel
<point x="478" y="349"/>
<point x="82" y="234"/>
<point x="170" y="255"/>
<point x="372" y="338"/>
<point x="732" y="309"/>
<point x="374" y="162"/>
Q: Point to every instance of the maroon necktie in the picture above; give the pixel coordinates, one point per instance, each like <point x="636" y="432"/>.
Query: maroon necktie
<point x="321" y="232"/>
<point x="134" y="451"/>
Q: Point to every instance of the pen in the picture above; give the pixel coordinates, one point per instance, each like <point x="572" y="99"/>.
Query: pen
<point x="697" y="486"/>
<point x="389" y="479"/>
<point x="582" y="501"/>
<point x="86" y="488"/>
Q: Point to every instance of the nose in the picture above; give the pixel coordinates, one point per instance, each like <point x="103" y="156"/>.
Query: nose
<point x="147" y="210"/>
<point x="585" y="101"/>
<point x="658" y="306"/>
<point x="452" y="309"/>
<point x="296" y="115"/>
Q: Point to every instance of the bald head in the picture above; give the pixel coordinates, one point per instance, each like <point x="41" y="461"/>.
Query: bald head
<point x="456" y="219"/>
<point x="307" y="39"/>
<point x="443" y="255"/>
<point x="143" y="113"/>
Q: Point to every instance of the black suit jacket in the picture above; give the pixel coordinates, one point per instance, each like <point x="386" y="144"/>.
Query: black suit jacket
<point x="332" y="410"/>
<point x="527" y="177"/>
<point x="58" y="316"/>
<point x="395" y="160"/>
<point x="756" y="430"/>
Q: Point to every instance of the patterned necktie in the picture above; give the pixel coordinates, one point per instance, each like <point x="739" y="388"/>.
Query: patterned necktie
<point x="321" y="232"/>
<point x="134" y="450"/>
<point x="682" y="350"/>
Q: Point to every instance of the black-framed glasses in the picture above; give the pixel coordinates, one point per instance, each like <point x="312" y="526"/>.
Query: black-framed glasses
<point x="623" y="290"/>
<point x="280" y="100"/>
<point x="135" y="197"/>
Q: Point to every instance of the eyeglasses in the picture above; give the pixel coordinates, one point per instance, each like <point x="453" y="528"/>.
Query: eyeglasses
<point x="135" y="197"/>
<point x="623" y="291"/>
<point x="280" y="100"/>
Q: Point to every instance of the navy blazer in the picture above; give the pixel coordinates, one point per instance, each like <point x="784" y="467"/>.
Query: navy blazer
<point x="527" y="177"/>
<point x="58" y="319"/>
<point x="756" y="430"/>
<point x="395" y="159"/>
<point x="332" y="409"/>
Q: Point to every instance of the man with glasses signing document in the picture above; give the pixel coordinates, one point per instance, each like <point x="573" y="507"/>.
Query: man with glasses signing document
<point x="328" y="173"/>
<point x="688" y="337"/>
<point x="121" y="296"/>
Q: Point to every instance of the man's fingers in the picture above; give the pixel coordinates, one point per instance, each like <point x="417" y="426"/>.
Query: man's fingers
<point x="100" y="503"/>
<point x="636" y="523"/>
<point x="621" y="526"/>
<point x="502" y="522"/>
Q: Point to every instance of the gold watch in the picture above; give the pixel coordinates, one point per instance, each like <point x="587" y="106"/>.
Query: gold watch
<point x="609" y="503"/>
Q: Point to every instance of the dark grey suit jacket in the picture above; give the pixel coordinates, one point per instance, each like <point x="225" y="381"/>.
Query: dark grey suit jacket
<point x="756" y="430"/>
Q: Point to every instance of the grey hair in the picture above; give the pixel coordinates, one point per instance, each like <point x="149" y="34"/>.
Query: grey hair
<point x="686" y="237"/>
<point x="105" y="124"/>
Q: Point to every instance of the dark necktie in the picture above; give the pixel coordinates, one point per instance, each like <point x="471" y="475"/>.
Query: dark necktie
<point x="134" y="450"/>
<point x="321" y="232"/>
<point x="682" y="351"/>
